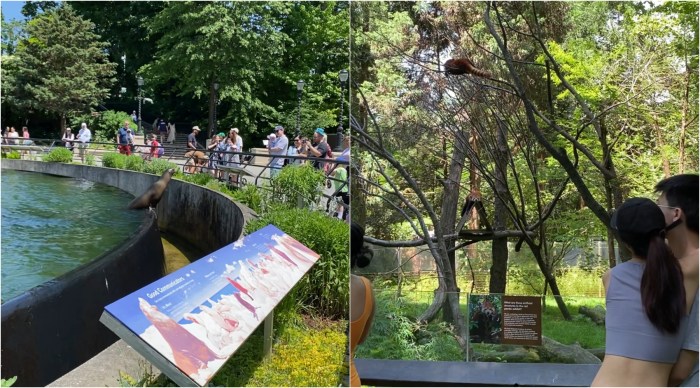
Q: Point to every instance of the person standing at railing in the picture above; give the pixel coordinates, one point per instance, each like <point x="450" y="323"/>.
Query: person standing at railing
<point x="84" y="137"/>
<point x="192" y="144"/>
<point x="340" y="188"/>
<point x="345" y="155"/>
<point x="12" y="136"/>
<point x="278" y="146"/>
<point x="124" y="139"/>
<point x="25" y="136"/>
<point x="68" y="138"/>
<point x="232" y="146"/>
<point x="156" y="149"/>
<point x="319" y="148"/>
<point x="239" y="140"/>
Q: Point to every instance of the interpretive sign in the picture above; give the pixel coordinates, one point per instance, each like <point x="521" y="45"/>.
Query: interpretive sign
<point x="505" y="319"/>
<point x="191" y="321"/>
<point x="522" y="320"/>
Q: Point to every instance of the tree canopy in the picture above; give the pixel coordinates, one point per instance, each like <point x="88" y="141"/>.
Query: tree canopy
<point x="61" y="66"/>
<point x="255" y="51"/>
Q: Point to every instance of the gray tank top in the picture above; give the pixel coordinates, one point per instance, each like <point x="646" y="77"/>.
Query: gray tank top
<point x="628" y="331"/>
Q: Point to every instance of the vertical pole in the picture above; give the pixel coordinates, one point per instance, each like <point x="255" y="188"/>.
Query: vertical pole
<point x="298" y="112"/>
<point x="140" y="100"/>
<point x="340" y="117"/>
<point x="267" y="335"/>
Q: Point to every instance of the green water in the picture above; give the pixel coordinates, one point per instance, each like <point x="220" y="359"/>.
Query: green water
<point x="51" y="225"/>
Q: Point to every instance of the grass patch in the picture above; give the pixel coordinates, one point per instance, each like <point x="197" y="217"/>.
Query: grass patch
<point x="304" y="355"/>
<point x="580" y="329"/>
<point x="396" y="335"/>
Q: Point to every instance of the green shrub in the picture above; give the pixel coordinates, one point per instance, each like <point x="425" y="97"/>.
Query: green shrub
<point x="325" y="287"/>
<point x="90" y="159"/>
<point x="114" y="160"/>
<point x="60" y="155"/>
<point x="8" y="382"/>
<point x="198" y="179"/>
<point x="304" y="358"/>
<point x="134" y="163"/>
<point x="249" y="195"/>
<point x="297" y="183"/>
<point x="12" y="155"/>
<point x="158" y="166"/>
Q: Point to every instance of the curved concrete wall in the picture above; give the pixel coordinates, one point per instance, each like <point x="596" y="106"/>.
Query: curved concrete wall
<point x="54" y="327"/>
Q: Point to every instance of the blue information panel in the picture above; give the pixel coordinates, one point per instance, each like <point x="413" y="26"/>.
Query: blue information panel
<point x="198" y="316"/>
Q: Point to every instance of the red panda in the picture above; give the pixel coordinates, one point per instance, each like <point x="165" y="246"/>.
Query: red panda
<point x="458" y="66"/>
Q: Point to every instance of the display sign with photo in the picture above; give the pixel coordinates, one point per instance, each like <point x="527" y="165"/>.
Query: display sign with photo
<point x="198" y="316"/>
<point x="505" y="319"/>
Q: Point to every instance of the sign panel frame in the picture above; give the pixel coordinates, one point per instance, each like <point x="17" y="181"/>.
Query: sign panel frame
<point x="190" y="322"/>
<point x="505" y="319"/>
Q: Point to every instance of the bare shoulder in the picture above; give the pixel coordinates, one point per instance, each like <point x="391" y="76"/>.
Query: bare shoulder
<point x="357" y="297"/>
<point x="606" y="279"/>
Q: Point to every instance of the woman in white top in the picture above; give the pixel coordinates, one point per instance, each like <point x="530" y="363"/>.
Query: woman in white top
<point x="171" y="133"/>
<point x="12" y="136"/>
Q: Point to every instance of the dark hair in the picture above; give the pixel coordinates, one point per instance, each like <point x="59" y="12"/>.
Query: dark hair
<point x="662" y="290"/>
<point x="360" y="254"/>
<point x="682" y="191"/>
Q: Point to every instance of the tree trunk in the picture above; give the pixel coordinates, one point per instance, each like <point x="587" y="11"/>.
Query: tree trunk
<point x="661" y="146"/>
<point x="474" y="187"/>
<point x="499" y="246"/>
<point x="448" y="213"/>
<point x="63" y="124"/>
<point x="549" y="278"/>
<point x="684" y="121"/>
<point x="613" y="195"/>
<point x="212" y="106"/>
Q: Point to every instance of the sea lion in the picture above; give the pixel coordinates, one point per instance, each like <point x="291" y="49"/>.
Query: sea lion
<point x="150" y="198"/>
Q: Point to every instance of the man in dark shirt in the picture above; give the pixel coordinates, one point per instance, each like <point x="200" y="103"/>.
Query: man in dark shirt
<point x="319" y="148"/>
<point x="192" y="138"/>
<point x="162" y="129"/>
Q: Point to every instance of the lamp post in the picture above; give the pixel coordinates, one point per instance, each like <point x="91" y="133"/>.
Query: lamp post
<point x="139" y="81"/>
<point x="343" y="78"/>
<point x="300" y="87"/>
<point x="216" y="102"/>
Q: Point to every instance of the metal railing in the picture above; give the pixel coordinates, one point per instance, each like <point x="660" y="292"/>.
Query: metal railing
<point x="248" y="168"/>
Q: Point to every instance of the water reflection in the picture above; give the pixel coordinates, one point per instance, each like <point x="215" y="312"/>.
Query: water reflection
<point x="52" y="224"/>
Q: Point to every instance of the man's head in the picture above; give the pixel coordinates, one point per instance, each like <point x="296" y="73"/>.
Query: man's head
<point x="319" y="133"/>
<point x="678" y="200"/>
<point x="279" y="131"/>
<point x="126" y="124"/>
<point x="195" y="129"/>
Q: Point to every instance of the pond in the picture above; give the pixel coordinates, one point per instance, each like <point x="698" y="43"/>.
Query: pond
<point x="52" y="224"/>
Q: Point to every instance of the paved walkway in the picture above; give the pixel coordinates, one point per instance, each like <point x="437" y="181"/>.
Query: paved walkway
<point x="103" y="369"/>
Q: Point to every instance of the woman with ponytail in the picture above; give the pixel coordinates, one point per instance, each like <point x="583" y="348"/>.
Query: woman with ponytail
<point x="361" y="297"/>
<point x="645" y="301"/>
